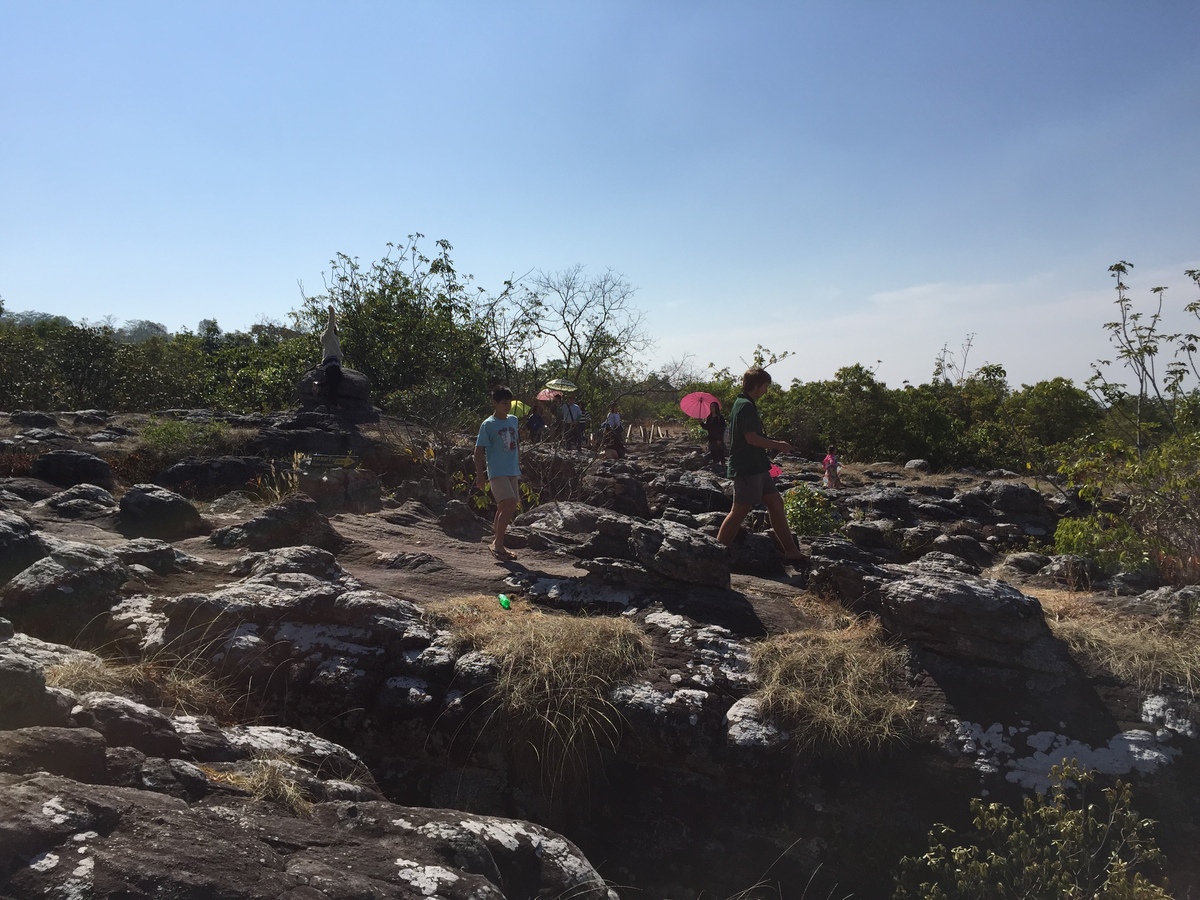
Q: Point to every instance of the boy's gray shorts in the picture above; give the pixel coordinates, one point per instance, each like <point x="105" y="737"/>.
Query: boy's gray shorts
<point x="505" y="487"/>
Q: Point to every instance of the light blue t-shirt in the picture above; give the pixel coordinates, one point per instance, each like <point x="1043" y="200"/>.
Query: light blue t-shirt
<point x="498" y="437"/>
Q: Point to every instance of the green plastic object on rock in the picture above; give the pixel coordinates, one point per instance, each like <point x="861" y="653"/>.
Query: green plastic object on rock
<point x="505" y="602"/>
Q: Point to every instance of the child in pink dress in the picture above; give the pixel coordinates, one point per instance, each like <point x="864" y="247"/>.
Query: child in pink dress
<point x="831" y="466"/>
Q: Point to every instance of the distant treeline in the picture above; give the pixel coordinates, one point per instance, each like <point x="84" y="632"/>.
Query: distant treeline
<point x="432" y="345"/>
<point x="52" y="363"/>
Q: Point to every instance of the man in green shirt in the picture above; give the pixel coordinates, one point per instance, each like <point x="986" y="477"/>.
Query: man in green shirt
<point x="750" y="467"/>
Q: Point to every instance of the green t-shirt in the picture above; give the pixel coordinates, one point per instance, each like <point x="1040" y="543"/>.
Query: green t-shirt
<point x="743" y="458"/>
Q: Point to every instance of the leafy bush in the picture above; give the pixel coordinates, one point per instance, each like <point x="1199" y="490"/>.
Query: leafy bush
<point x="1159" y="492"/>
<point x="808" y="511"/>
<point x="1105" y="539"/>
<point x="1058" y="846"/>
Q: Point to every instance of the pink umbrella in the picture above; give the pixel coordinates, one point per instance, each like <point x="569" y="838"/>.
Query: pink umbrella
<point x="547" y="394"/>
<point x="698" y="404"/>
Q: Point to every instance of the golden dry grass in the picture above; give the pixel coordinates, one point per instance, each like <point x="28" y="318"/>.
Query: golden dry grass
<point x="267" y="779"/>
<point x="177" y="685"/>
<point x="840" y="686"/>
<point x="555" y="673"/>
<point x="1147" y="653"/>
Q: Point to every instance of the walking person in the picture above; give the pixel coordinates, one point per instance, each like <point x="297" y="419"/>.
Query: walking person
<point x="613" y="438"/>
<point x="498" y="465"/>
<point x="714" y="424"/>
<point x="750" y="467"/>
<point x="572" y="423"/>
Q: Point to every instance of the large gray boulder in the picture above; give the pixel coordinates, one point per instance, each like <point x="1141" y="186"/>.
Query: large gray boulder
<point x="33" y="419"/>
<point x="20" y="545"/>
<point x="22" y="684"/>
<point x="350" y="400"/>
<point x="342" y="490"/>
<point x="60" y="595"/>
<point x="615" y="486"/>
<point x="126" y="723"/>
<point x="293" y="522"/>
<point x="148" y="510"/>
<point x="63" y="838"/>
<point x="74" y="752"/>
<point x="973" y="620"/>
<point x="696" y="492"/>
<point x="629" y="551"/>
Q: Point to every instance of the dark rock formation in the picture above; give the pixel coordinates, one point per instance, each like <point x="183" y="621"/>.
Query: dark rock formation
<point x="31" y="419"/>
<point x="350" y="400"/>
<point x="67" y="468"/>
<point x="83" y="501"/>
<point x="292" y="522"/>
<point x="207" y="479"/>
<point x="148" y="510"/>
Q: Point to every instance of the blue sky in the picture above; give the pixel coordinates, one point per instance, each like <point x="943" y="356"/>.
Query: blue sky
<point x="851" y="181"/>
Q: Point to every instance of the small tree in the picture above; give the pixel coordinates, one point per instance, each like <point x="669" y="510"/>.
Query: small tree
<point x="406" y="321"/>
<point x="594" y="335"/>
<point x="1058" y="846"/>
<point x="1161" y="400"/>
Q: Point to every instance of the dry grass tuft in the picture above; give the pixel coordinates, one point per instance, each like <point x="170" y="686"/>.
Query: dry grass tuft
<point x="268" y="779"/>
<point x="835" y="688"/>
<point x="555" y="673"/>
<point x="1150" y="654"/>
<point x="178" y="685"/>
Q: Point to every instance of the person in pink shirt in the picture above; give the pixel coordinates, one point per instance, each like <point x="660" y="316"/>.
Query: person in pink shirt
<point x="831" y="466"/>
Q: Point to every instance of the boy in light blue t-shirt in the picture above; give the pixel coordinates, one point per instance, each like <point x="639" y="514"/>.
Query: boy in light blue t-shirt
<point x="497" y="447"/>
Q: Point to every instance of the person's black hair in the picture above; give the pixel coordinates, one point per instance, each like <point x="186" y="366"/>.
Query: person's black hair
<point x="501" y="393"/>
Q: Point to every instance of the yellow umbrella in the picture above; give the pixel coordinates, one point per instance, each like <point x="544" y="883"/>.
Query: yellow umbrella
<point x="520" y="408"/>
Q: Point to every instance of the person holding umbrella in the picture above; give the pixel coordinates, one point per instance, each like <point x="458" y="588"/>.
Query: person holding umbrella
<point x="714" y="424"/>
<point x="750" y="467"/>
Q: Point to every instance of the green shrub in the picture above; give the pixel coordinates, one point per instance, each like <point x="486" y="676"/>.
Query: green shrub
<point x="1159" y="487"/>
<point x="1058" y="846"/>
<point x="808" y="511"/>
<point x="1107" y="540"/>
<point x="174" y="439"/>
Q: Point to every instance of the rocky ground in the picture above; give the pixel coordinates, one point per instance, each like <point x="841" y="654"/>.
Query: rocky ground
<point x="363" y="755"/>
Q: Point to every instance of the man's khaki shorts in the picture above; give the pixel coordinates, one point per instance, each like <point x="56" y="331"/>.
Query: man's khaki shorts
<point x="750" y="489"/>
<point x="504" y="487"/>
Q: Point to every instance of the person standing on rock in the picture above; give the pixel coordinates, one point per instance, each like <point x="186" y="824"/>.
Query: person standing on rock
<point x="750" y="467"/>
<point x="830" y="467"/>
<point x="331" y="357"/>
<point x="498" y="465"/>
